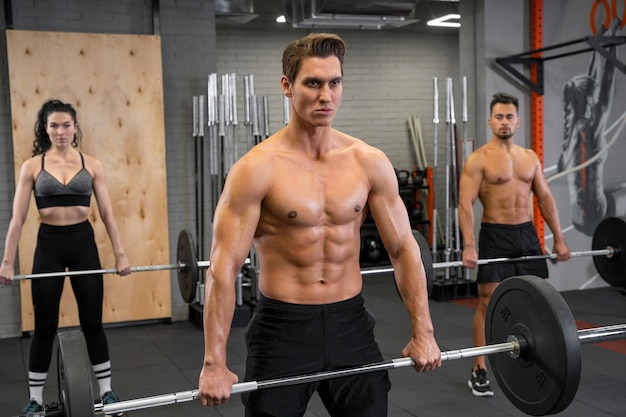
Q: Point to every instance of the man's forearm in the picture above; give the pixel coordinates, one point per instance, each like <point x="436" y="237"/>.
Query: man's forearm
<point x="550" y="214"/>
<point x="414" y="292"/>
<point x="466" y="224"/>
<point x="218" y="314"/>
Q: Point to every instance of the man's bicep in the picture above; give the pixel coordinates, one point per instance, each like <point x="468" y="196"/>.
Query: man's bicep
<point x="469" y="184"/>
<point x="392" y="220"/>
<point x="540" y="187"/>
<point x="237" y="216"/>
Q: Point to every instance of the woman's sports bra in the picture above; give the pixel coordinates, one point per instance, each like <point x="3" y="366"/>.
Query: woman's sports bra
<point x="49" y="192"/>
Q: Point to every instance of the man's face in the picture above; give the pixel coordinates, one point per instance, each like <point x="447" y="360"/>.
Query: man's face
<point x="316" y="90"/>
<point x="504" y="121"/>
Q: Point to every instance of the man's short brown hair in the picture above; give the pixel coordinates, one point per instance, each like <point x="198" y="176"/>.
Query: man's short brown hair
<point x="313" y="45"/>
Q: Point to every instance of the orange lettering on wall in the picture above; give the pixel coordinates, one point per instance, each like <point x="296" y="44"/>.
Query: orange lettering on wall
<point x="610" y="12"/>
<point x="594" y="10"/>
<point x="614" y="13"/>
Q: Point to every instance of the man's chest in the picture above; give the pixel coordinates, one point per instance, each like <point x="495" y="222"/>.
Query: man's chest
<point x="309" y="197"/>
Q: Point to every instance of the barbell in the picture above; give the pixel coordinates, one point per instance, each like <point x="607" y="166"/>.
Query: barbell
<point x="608" y="248"/>
<point x="187" y="264"/>
<point x="608" y="252"/>
<point x="533" y="345"/>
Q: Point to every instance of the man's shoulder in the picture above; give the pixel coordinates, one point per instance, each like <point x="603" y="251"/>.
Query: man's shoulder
<point x="527" y="152"/>
<point x="342" y="137"/>
<point x="479" y="155"/>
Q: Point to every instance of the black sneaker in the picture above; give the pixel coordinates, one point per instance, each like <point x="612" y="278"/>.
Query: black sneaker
<point x="479" y="383"/>
<point x="32" y="407"/>
<point x="111" y="397"/>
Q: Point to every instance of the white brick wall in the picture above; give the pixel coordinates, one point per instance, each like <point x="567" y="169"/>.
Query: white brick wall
<point x="387" y="78"/>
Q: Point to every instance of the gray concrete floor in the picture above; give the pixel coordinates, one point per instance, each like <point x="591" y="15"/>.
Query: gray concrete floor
<point x="154" y="358"/>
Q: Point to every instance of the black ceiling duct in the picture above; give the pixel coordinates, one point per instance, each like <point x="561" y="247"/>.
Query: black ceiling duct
<point x="348" y="14"/>
<point x="363" y="7"/>
<point x="233" y="7"/>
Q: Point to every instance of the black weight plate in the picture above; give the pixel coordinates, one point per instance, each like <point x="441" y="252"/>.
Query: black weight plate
<point x="427" y="259"/>
<point x="74" y="375"/>
<point x="544" y="380"/>
<point x="611" y="232"/>
<point x="189" y="275"/>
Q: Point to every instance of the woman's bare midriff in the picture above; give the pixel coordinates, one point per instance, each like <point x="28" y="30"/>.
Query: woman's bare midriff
<point x="63" y="216"/>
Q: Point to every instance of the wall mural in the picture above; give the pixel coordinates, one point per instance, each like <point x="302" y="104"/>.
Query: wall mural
<point x="584" y="125"/>
<point x="587" y="104"/>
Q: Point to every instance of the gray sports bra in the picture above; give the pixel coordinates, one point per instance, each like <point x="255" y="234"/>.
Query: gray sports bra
<point x="49" y="192"/>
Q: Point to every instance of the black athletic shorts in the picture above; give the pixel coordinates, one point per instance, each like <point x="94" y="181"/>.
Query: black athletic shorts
<point x="286" y="339"/>
<point x="509" y="241"/>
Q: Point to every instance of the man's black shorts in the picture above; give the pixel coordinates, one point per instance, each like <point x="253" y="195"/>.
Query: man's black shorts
<point x="286" y="339"/>
<point x="509" y="241"/>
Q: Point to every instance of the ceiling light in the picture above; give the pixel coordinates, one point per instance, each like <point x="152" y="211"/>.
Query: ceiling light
<point x="444" y="21"/>
<point x="281" y="19"/>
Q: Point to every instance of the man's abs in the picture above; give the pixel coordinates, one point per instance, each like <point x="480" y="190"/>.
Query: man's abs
<point x="320" y="285"/>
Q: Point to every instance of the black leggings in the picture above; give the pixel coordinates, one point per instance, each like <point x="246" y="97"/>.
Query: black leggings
<point x="72" y="247"/>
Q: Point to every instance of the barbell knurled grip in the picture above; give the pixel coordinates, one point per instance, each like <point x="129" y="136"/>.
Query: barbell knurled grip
<point x="602" y="334"/>
<point x="64" y="274"/>
<point x="244" y="387"/>
<point x="146" y="402"/>
<point x="145" y="268"/>
<point x="403" y="362"/>
<point x="150" y="268"/>
<point x="206" y="264"/>
<point x="95" y="272"/>
<point x="480" y="351"/>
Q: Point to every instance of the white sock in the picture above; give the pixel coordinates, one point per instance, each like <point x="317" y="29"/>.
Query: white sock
<point x="103" y="375"/>
<point x="36" y="381"/>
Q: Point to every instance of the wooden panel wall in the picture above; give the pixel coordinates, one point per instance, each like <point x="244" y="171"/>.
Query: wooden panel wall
<point x="115" y="83"/>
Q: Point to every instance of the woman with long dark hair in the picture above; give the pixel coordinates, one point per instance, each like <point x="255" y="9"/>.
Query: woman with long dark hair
<point x="63" y="180"/>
